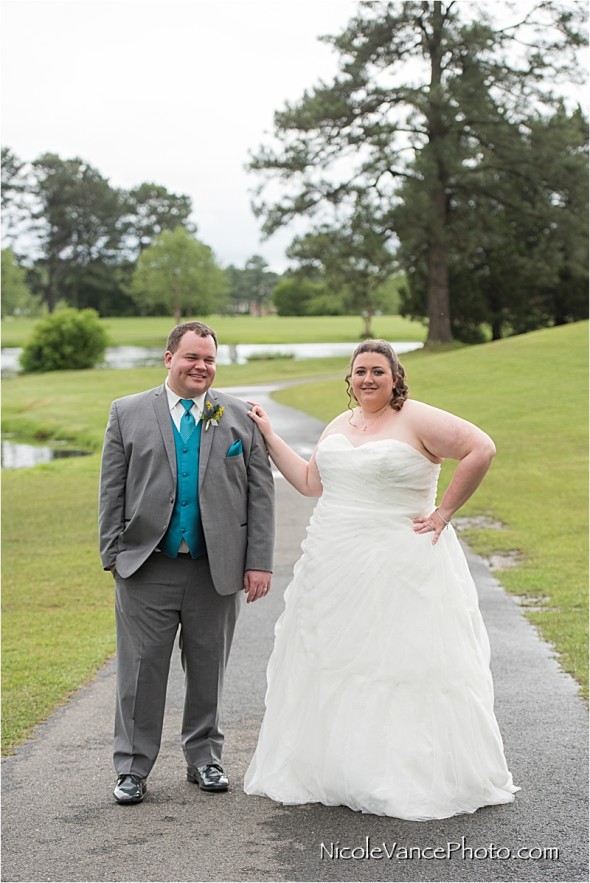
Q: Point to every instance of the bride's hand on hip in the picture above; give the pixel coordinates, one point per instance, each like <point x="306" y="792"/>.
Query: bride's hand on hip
<point x="260" y="418"/>
<point x="429" y="524"/>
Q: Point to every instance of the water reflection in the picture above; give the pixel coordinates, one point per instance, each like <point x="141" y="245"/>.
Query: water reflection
<point x="234" y="354"/>
<point x="133" y="357"/>
<point x="10" y="359"/>
<point x="241" y="353"/>
<point x="19" y="455"/>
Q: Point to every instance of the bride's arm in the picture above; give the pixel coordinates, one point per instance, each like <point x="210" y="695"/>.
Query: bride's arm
<point x="303" y="475"/>
<point x="449" y="437"/>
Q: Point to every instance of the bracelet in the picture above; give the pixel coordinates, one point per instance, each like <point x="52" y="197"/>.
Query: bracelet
<point x="446" y="523"/>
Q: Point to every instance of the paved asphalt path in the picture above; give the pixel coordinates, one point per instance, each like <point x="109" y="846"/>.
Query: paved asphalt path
<point x="60" y="822"/>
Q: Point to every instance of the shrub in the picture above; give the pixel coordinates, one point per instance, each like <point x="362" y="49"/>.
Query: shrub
<point x="67" y="340"/>
<point x="293" y="295"/>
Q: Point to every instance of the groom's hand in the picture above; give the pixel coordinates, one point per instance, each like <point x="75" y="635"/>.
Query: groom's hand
<point x="256" y="584"/>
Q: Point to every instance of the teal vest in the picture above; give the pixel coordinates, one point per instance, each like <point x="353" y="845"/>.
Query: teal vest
<point x="185" y="523"/>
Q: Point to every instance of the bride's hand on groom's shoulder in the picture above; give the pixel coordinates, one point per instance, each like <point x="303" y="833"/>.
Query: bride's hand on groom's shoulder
<point x="260" y="418"/>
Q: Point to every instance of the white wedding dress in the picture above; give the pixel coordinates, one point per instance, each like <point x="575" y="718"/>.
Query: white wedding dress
<point x="380" y="695"/>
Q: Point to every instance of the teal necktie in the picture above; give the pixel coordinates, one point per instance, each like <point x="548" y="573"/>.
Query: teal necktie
<point x="187" y="422"/>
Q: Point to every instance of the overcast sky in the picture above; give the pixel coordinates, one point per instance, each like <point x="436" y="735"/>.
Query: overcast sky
<point x="171" y="91"/>
<point x="166" y="91"/>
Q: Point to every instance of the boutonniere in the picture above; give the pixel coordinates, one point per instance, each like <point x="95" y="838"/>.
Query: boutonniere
<point x="212" y="414"/>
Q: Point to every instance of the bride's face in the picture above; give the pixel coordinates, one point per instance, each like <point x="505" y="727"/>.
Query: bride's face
<point x="372" y="381"/>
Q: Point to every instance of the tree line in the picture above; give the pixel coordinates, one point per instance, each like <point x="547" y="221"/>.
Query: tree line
<point x="442" y="172"/>
<point x="73" y="239"/>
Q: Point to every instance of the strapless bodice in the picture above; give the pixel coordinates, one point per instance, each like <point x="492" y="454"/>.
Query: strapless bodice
<point x="385" y="474"/>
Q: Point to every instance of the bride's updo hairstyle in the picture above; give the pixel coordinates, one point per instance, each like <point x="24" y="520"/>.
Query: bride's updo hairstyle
<point x="400" y="391"/>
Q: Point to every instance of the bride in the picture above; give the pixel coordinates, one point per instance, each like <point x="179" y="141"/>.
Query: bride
<point x="380" y="696"/>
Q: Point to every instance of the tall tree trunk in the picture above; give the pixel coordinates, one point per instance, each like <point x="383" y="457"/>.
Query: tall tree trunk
<point x="52" y="288"/>
<point x="439" y="318"/>
<point x="496" y="329"/>
<point x="439" y="312"/>
<point x="368" y="323"/>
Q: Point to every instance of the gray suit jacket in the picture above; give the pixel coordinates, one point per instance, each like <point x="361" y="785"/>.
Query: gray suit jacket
<point x="138" y="488"/>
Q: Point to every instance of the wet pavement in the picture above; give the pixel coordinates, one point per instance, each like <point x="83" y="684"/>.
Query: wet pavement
<point x="60" y="822"/>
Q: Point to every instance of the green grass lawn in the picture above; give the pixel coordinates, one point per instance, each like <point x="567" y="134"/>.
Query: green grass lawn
<point x="528" y="392"/>
<point x="57" y="606"/>
<point x="153" y="331"/>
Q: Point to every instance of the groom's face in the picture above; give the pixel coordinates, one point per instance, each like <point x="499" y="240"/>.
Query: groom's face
<point x="191" y="367"/>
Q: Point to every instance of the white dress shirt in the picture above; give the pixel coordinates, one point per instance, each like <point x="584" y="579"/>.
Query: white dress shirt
<point x="177" y="410"/>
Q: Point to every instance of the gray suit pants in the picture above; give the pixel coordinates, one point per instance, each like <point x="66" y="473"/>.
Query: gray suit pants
<point x="151" y="605"/>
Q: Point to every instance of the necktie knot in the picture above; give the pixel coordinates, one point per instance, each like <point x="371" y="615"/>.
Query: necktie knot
<point x="187" y="422"/>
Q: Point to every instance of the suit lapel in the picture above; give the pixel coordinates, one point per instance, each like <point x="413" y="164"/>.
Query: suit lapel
<point x="165" y="424"/>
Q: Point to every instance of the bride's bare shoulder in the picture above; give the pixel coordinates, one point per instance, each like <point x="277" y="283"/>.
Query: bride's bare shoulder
<point x="418" y="410"/>
<point x="414" y="405"/>
<point x="341" y="423"/>
<point x="341" y="419"/>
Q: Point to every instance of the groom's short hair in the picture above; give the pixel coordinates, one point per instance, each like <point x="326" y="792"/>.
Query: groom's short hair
<point x="179" y="331"/>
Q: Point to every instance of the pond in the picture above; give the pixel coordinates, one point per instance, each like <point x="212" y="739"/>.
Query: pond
<point x="235" y="354"/>
<point x="20" y="455"/>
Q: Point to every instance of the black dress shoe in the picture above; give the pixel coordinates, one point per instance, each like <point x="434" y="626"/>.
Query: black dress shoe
<point x="209" y="777"/>
<point x="130" y="789"/>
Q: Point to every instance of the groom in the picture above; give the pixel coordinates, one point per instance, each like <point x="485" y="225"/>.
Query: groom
<point x="186" y="522"/>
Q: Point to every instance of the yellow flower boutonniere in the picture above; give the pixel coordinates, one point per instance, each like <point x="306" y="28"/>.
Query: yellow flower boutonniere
<point x="212" y="414"/>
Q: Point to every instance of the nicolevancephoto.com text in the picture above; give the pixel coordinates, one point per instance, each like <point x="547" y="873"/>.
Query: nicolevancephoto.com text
<point x="337" y="851"/>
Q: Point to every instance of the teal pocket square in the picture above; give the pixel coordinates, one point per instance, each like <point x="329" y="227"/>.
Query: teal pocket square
<point x="235" y="449"/>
